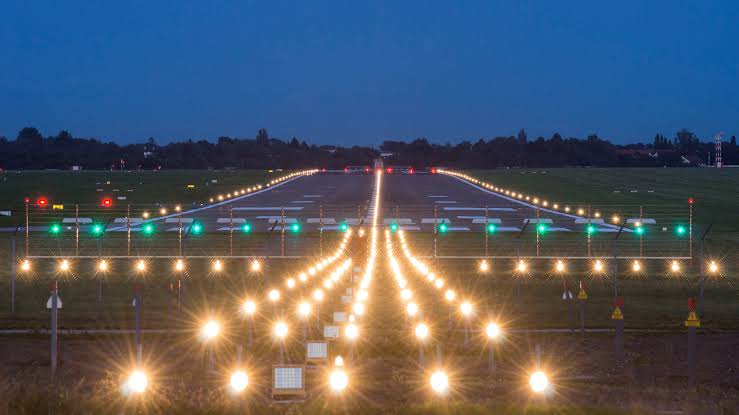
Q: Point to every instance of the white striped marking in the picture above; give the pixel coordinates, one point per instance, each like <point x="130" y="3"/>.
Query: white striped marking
<point x="250" y="208"/>
<point x="481" y="209"/>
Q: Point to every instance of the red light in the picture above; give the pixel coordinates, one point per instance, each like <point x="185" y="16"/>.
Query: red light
<point x="366" y="169"/>
<point x="433" y="170"/>
<point x="389" y="170"/>
<point x="690" y="201"/>
<point x="346" y="169"/>
<point x="411" y="171"/>
<point x="42" y="202"/>
<point x="107" y="202"/>
<point x="28" y="200"/>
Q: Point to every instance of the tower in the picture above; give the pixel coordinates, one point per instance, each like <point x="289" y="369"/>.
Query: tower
<point x="717" y="145"/>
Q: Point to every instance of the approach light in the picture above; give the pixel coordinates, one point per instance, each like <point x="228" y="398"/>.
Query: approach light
<point x="246" y="228"/>
<point x="521" y="267"/>
<point x="304" y="309"/>
<point x="358" y="308"/>
<point x="318" y="295"/>
<point x="210" y="330"/>
<point x="102" y="265"/>
<point x="239" y="381"/>
<point x="338" y="380"/>
<point x="295" y="227"/>
<point x="141" y="265"/>
<point x="148" y="229"/>
<point x="196" y="228"/>
<point x="55" y="229"/>
<point x="26" y="265"/>
<point x="439" y="382"/>
<point x="538" y="382"/>
<point x="713" y="267"/>
<point x="249" y="307"/>
<point x="450" y="295"/>
<point x="179" y="265"/>
<point x="675" y="266"/>
<point x="636" y="266"/>
<point x="412" y="309"/>
<point x="466" y="308"/>
<point x="273" y="295"/>
<point x="136" y="383"/>
<point x="217" y="265"/>
<point x="145" y="215"/>
<point x="560" y="266"/>
<point x="492" y="330"/>
<point x="256" y="265"/>
<point x="163" y="211"/>
<point x="351" y="331"/>
<point x="615" y="219"/>
<point x="64" y="265"/>
<point x="422" y="331"/>
<point x="598" y="265"/>
<point x="280" y="329"/>
<point x="484" y="266"/>
<point x="490" y="228"/>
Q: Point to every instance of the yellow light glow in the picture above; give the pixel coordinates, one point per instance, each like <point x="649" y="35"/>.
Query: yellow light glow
<point x="273" y="295"/>
<point x="318" y="295"/>
<point x="713" y="267"/>
<point x="179" y="265"/>
<point x="64" y="265"/>
<point x="358" y="308"/>
<point x="141" y="265"/>
<point x="560" y="266"/>
<point x="492" y="330"/>
<point x="466" y="308"/>
<point x="422" y="331"/>
<point x="338" y="380"/>
<point x="26" y="265"/>
<point x="290" y="283"/>
<point x="304" y="308"/>
<point x="615" y="219"/>
<point x="102" y="265"/>
<point x="406" y="294"/>
<point x="636" y="266"/>
<point x="450" y="295"/>
<point x="217" y="265"/>
<point x="280" y="329"/>
<point x="163" y="211"/>
<point x="136" y="383"/>
<point x="580" y="212"/>
<point x="675" y="266"/>
<point x="210" y="330"/>
<point x="249" y="307"/>
<point x="439" y="382"/>
<point x="539" y="382"/>
<point x="522" y="266"/>
<point x="598" y="265"/>
<point x="351" y="331"/>
<point x="484" y="266"/>
<point x="439" y="283"/>
<point x="412" y="309"/>
<point x="239" y="381"/>
<point x="256" y="265"/>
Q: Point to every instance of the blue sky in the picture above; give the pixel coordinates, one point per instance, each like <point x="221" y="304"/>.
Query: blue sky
<point x="344" y="72"/>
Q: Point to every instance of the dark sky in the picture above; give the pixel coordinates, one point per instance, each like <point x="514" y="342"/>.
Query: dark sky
<point x="344" y="72"/>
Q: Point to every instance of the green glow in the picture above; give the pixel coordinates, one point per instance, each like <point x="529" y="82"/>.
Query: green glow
<point x="639" y="230"/>
<point x="343" y="227"/>
<point x="295" y="227"/>
<point x="148" y="229"/>
<point x="491" y="228"/>
<point x="443" y="227"/>
<point x="246" y="228"/>
<point x="680" y="230"/>
<point x="196" y="228"/>
<point x="541" y="228"/>
<point x="591" y="229"/>
<point x="97" y="229"/>
<point x="393" y="226"/>
<point x="55" y="228"/>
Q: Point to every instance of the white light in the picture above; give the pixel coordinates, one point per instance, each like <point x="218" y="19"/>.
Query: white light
<point x="358" y="308"/>
<point x="179" y="265"/>
<point x="713" y="267"/>
<point x="560" y="266"/>
<point x="302" y="277"/>
<point x="338" y="380"/>
<point x="412" y="309"/>
<point x="636" y="266"/>
<point x="466" y="308"/>
<point x="103" y="265"/>
<point x="290" y="283"/>
<point x="256" y="265"/>
<point x="26" y="265"/>
<point x="450" y="295"/>
<point x="439" y="382"/>
<point x="492" y="330"/>
<point x="217" y="265"/>
<point x="64" y="266"/>
<point x="273" y="295"/>
<point x="484" y="266"/>
<point x="439" y="283"/>
<point x="141" y="265"/>
<point x="239" y="381"/>
<point x="304" y="308"/>
<point x="281" y="329"/>
<point x="318" y="295"/>
<point x="406" y="294"/>
<point x="521" y="267"/>
<point x="249" y="307"/>
<point x="422" y="331"/>
<point x="675" y="266"/>
<point x="598" y="265"/>
<point x="136" y="382"/>
<point x="210" y="330"/>
<point x="538" y="382"/>
<point x="351" y="331"/>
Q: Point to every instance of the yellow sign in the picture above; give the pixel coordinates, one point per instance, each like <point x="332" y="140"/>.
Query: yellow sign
<point x="617" y="315"/>
<point x="190" y="186"/>
<point x="692" y="320"/>
<point x="57" y="207"/>
<point x="582" y="295"/>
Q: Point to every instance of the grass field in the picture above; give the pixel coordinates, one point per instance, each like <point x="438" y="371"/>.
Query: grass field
<point x="714" y="190"/>
<point x="166" y="187"/>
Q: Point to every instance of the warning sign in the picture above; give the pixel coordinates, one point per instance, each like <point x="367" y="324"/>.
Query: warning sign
<point x="692" y="320"/>
<point x="57" y="207"/>
<point x="617" y="315"/>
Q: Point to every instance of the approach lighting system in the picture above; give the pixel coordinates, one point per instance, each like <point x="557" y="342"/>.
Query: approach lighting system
<point x="135" y="383"/>
<point x="492" y="331"/>
<point x="239" y="381"/>
<point x="439" y="382"/>
<point x="539" y="382"/>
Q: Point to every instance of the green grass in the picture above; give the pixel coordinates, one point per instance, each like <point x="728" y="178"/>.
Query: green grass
<point x="714" y="190"/>
<point x="138" y="187"/>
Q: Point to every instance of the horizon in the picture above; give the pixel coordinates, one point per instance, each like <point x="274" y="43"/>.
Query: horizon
<point x="345" y="74"/>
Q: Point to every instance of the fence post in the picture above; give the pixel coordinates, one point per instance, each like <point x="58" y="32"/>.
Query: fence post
<point x="54" y="288"/>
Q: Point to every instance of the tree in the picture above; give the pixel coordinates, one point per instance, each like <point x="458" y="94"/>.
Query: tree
<point x="262" y="136"/>
<point x="29" y="136"/>
<point x="522" y="141"/>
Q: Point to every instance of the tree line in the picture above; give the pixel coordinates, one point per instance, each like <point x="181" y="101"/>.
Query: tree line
<point x="31" y="150"/>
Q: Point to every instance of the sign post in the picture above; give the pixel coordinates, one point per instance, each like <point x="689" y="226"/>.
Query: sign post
<point x="618" y="317"/>
<point x="54" y="304"/>
<point x="137" y="314"/>
<point x="692" y="322"/>
<point x="582" y="296"/>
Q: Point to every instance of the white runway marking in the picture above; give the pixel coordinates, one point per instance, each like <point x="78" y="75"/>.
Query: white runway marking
<point x="535" y="220"/>
<point x="458" y="228"/>
<point x="643" y="221"/>
<point x="438" y="220"/>
<point x="507" y="229"/>
<point x="256" y="208"/>
<point x="303" y="201"/>
<point x="282" y="220"/>
<point x="231" y="220"/>
<point x="326" y="221"/>
<point x="489" y="220"/>
<point x="410" y="228"/>
<point x="481" y="209"/>
<point x="309" y="196"/>
<point x="178" y="220"/>
<point x="559" y="230"/>
<point x="586" y="220"/>
<point x="445" y="202"/>
<point x="78" y="220"/>
<point x="399" y="221"/>
<point x="438" y="196"/>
